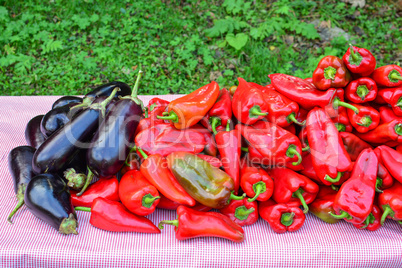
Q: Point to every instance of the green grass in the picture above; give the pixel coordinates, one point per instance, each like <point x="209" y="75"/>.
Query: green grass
<point x="64" y="47"/>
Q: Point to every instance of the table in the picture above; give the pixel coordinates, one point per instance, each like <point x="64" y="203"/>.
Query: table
<point x="29" y="242"/>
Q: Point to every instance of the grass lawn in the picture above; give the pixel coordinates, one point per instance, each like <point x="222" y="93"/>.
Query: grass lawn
<point x="57" y="47"/>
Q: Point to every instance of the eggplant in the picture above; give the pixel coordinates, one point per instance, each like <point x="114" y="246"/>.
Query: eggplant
<point x="60" y="148"/>
<point x="33" y="135"/>
<point x="106" y="90"/>
<point x="48" y="198"/>
<point x="57" y="118"/>
<point x="65" y="100"/>
<point x="112" y="142"/>
<point x="20" y="167"/>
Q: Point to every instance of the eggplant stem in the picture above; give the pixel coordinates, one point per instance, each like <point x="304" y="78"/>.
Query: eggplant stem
<point x="90" y="176"/>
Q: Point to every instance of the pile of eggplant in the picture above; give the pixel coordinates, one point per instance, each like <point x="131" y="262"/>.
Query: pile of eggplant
<point x="79" y="138"/>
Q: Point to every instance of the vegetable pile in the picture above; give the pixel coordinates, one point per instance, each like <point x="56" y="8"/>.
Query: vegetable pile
<point x="330" y="144"/>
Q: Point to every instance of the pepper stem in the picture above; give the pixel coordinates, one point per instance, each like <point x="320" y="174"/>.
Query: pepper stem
<point x="365" y="121"/>
<point x="287" y="218"/>
<point x="387" y="211"/>
<point x="292" y="118"/>
<point x="75" y="180"/>
<point x="69" y="225"/>
<point x="306" y="148"/>
<point x="378" y="185"/>
<point x="337" y="178"/>
<point x="399" y="103"/>
<point x="228" y="125"/>
<point x="334" y="187"/>
<point x="299" y="194"/>
<point x="174" y="222"/>
<point x="82" y="209"/>
<point x="235" y="197"/>
<point x="352" y="52"/>
<point x="242" y="212"/>
<point x="143" y="154"/>
<point x="172" y="117"/>
<point x="259" y="188"/>
<point x="337" y="102"/>
<point x="329" y="73"/>
<point x="136" y="85"/>
<point x="255" y="112"/>
<point x="244" y="149"/>
<point x="362" y="91"/>
<point x="340" y="127"/>
<point x="343" y="215"/>
<point x="398" y="129"/>
<point x="20" y="198"/>
<point x="148" y="200"/>
<point x="292" y="152"/>
<point x="215" y="122"/>
<point x="87" y="182"/>
<point x="394" y="76"/>
<point x="369" y="220"/>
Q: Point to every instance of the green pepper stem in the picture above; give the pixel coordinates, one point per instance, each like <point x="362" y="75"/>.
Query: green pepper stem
<point x="306" y="148"/>
<point x="287" y="218"/>
<point x="259" y="188"/>
<point x="343" y="215"/>
<point x="334" y="187"/>
<point x="174" y="222"/>
<point x="244" y="149"/>
<point x="143" y="154"/>
<point x="365" y="121"/>
<point x="338" y="177"/>
<point x="340" y="127"/>
<point x="172" y="117"/>
<point x="352" y="52"/>
<point x="337" y="102"/>
<point x="136" y="85"/>
<point x="396" y="76"/>
<point x="90" y="176"/>
<point x="235" y="197"/>
<point x="20" y="198"/>
<point x="292" y="118"/>
<point x="369" y="220"/>
<point x="399" y="103"/>
<point x="242" y="212"/>
<point x="378" y="185"/>
<point x="148" y="200"/>
<point x="299" y="195"/>
<point x="146" y="112"/>
<point x="388" y="210"/>
<point x="398" y="129"/>
<point x="83" y="209"/>
<point x="362" y="91"/>
<point x="215" y="122"/>
<point x="329" y="73"/>
<point x="291" y="152"/>
<point x="255" y="111"/>
<point x="228" y="125"/>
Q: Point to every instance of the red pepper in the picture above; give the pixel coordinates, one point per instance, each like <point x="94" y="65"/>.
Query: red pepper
<point x="293" y="188"/>
<point x="390" y="201"/>
<point x="191" y="224"/>
<point x="164" y="139"/>
<point x="331" y="72"/>
<point x="220" y="113"/>
<point x="248" y="103"/>
<point x="373" y="221"/>
<point x="396" y="101"/>
<point x="301" y="115"/>
<point x="210" y="147"/>
<point x="359" y="61"/>
<point x="308" y="170"/>
<point x="291" y="128"/>
<point x="106" y="187"/>
<point x="256" y="183"/>
<point x="114" y="217"/>
<point x="329" y="155"/>
<point x="309" y="79"/>
<point x="166" y="203"/>
<point x="241" y="212"/>
<point x="342" y="122"/>
<point x="353" y="145"/>
<point x="155" y="103"/>
<point x="355" y="198"/>
<point x="338" y="105"/>
<point x="384" y="133"/>
<point x="156" y="171"/>
<point x="384" y="95"/>
<point x="399" y="148"/>
<point x="146" y="123"/>
<point x="323" y="204"/>
<point x="388" y="76"/>
<point x="229" y="146"/>
<point x="387" y="115"/>
<point x="137" y="194"/>
<point x="133" y="162"/>
<point x="361" y="90"/>
<point x="188" y="110"/>
<point x="303" y="139"/>
<point x="384" y="179"/>
<point x="210" y="159"/>
<point x="367" y="119"/>
<point x="392" y="161"/>
<point x="281" y="217"/>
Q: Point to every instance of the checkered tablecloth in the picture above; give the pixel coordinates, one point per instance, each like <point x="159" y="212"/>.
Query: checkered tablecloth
<point x="29" y="242"/>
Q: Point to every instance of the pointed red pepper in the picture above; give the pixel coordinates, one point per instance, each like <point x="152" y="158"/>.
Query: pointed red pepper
<point x="390" y="201"/>
<point x="210" y="147"/>
<point x="355" y="198"/>
<point x="388" y="76"/>
<point x="373" y="221"/>
<point x="191" y="224"/>
<point x="256" y="182"/>
<point x="359" y="61"/>
<point x="323" y="204"/>
<point x="367" y="119"/>
<point x="384" y="95"/>
<point x="241" y="212"/>
<point x="166" y="203"/>
<point x="281" y="217"/>
<point x="220" y="113"/>
<point x="331" y="72"/>
<point x="114" y="217"/>
<point x="353" y="144"/>
<point x="156" y="103"/>
<point x="387" y="115"/>
<point x="361" y="90"/>
<point x="293" y="188"/>
<point x="392" y="161"/>
<point x="308" y="170"/>
<point x="106" y="187"/>
<point x="384" y="133"/>
<point x="396" y="101"/>
<point x="384" y="178"/>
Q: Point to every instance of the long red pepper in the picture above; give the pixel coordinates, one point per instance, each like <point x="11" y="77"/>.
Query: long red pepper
<point x="396" y="100"/>
<point x="384" y="133"/>
<point x="373" y="221"/>
<point x="256" y="182"/>
<point x="388" y="75"/>
<point x="353" y="144"/>
<point x="166" y="203"/>
<point x="392" y="160"/>
<point x="359" y="60"/>
<point x="384" y="179"/>
<point x="106" y="187"/>
<point x="367" y="119"/>
<point x="384" y="95"/>
<point x="210" y="146"/>
<point x="191" y="224"/>
<point x="390" y="201"/>
<point x="361" y="90"/>
<point x="220" y="113"/>
<point x="241" y="212"/>
<point x="331" y="72"/>
<point x="323" y="204"/>
<point x="387" y="115"/>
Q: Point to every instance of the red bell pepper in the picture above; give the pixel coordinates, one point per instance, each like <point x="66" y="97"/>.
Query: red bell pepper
<point x="337" y="105"/>
<point x="156" y="171"/>
<point x="373" y="221"/>
<point x="248" y="103"/>
<point x="191" y="224"/>
<point x="133" y="162"/>
<point x="106" y="187"/>
<point x="353" y="144"/>
<point x="384" y="95"/>
<point x="384" y="133"/>
<point x="392" y="161"/>
<point x="114" y="217"/>
<point x="399" y="148"/>
<point x="355" y="198"/>
<point x="256" y="182"/>
<point x="342" y="122"/>
<point x="291" y="128"/>
<point x="387" y="115"/>
<point x="241" y="212"/>
<point x="155" y="103"/>
<point x="388" y="76"/>
<point x="328" y="153"/>
<point x="367" y="119"/>
<point x="359" y="61"/>
<point x="220" y="113"/>
<point x="361" y="90"/>
<point x="166" y="203"/>
<point x="293" y="188"/>
<point x="146" y="123"/>
<point x="331" y="72"/>
<point x="322" y="205"/>
<point x="188" y="110"/>
<point x="396" y="100"/>
<point x="210" y="159"/>
<point x="210" y="147"/>
<point x="390" y="201"/>
<point x="137" y="194"/>
<point x="281" y="217"/>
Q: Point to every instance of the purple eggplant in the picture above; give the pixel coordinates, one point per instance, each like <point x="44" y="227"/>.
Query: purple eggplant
<point x="57" y="118"/>
<point x="48" y="198"/>
<point x="33" y="135"/>
<point x="65" y="100"/>
<point x="20" y="167"/>
<point x="60" y="148"/>
<point x="112" y="142"/>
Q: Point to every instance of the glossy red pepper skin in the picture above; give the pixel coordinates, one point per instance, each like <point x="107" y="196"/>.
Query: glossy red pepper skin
<point x="384" y="95"/>
<point x="281" y="217"/>
<point x="293" y="188"/>
<point x="387" y="115"/>
<point x="367" y="119"/>
<point x="221" y="112"/>
<point x="384" y="133"/>
<point x="396" y="100"/>
<point x="137" y="194"/>
<point x="309" y="170"/>
<point x="255" y="180"/>
<point x="331" y="72"/>
<point x="248" y="103"/>
<point x="164" y="139"/>
<point x="216" y="162"/>
<point x="148" y="122"/>
<point x="300" y="91"/>
<point x="373" y="221"/>
<point x="191" y="224"/>
<point x="166" y="203"/>
<point x="114" y="217"/>
<point x="361" y="90"/>
<point x="392" y="161"/>
<point x="323" y="204"/>
<point x="359" y="61"/>
<point x="156" y="171"/>
<point x="355" y="198"/>
<point x="241" y="212"/>
<point x="388" y="76"/>
<point x="106" y="187"/>
<point x="390" y="202"/>
<point x="384" y="178"/>
<point x="210" y="146"/>
<point x="353" y="144"/>
<point x="329" y="156"/>
<point x="301" y="115"/>
<point x="155" y="103"/>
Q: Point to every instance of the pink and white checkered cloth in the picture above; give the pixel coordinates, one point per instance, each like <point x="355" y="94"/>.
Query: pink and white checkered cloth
<point x="29" y="242"/>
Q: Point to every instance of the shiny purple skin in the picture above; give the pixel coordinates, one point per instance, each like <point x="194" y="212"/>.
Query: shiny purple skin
<point x="20" y="165"/>
<point x="66" y="100"/>
<point x="57" y="118"/>
<point x="114" y="138"/>
<point x="33" y="135"/>
<point x="106" y="90"/>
